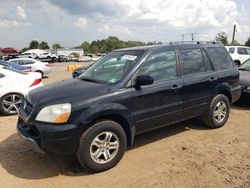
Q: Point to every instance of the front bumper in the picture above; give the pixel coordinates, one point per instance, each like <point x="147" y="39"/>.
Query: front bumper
<point x="56" y="139"/>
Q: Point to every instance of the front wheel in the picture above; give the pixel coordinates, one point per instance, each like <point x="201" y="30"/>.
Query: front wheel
<point x="10" y="103"/>
<point x="101" y="146"/>
<point x="218" y="112"/>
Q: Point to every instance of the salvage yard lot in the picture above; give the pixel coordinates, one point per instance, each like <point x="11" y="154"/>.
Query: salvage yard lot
<point x="181" y="155"/>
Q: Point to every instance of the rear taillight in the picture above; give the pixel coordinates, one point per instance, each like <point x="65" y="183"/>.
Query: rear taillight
<point x="37" y="81"/>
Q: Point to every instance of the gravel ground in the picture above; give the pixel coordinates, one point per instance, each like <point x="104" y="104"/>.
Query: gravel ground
<point x="181" y="155"/>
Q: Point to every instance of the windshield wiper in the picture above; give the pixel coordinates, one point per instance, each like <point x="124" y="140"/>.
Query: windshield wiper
<point x="93" y="80"/>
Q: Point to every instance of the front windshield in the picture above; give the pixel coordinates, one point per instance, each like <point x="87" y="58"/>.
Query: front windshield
<point x="111" y="68"/>
<point x="245" y="66"/>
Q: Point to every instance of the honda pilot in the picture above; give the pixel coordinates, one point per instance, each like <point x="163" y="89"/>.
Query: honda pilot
<point x="129" y="91"/>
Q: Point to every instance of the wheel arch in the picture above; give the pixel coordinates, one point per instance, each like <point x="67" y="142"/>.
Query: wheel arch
<point x="121" y="121"/>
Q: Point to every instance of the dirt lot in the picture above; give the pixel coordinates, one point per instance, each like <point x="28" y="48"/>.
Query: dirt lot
<point x="182" y="155"/>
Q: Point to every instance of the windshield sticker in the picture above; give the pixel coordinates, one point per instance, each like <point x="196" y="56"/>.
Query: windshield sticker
<point x="129" y="57"/>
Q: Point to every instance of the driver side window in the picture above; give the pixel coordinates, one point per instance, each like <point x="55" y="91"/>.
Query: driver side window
<point x="160" y="66"/>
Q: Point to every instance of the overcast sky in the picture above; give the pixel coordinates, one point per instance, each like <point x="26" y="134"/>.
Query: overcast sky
<point x="70" y="22"/>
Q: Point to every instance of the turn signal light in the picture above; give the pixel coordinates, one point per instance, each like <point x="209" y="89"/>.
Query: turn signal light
<point x="62" y="118"/>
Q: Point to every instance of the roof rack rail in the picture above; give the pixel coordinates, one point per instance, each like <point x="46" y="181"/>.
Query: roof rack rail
<point x="194" y="42"/>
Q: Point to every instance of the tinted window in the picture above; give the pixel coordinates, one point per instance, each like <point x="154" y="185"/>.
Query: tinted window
<point x="25" y="62"/>
<point x="1" y="75"/>
<point x="220" y="58"/>
<point x="231" y="50"/>
<point x="243" y="51"/>
<point x="191" y="61"/>
<point x="160" y="66"/>
<point x="206" y="60"/>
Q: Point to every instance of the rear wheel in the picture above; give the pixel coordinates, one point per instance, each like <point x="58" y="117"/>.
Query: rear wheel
<point x="101" y="146"/>
<point x="218" y="112"/>
<point x="10" y="103"/>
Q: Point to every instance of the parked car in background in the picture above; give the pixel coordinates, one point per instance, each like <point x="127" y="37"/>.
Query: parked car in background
<point x="47" y="55"/>
<point x="98" y="56"/>
<point x="85" y="59"/>
<point x="98" y="115"/>
<point x="244" y="69"/>
<point x="28" y="55"/>
<point x="15" y="66"/>
<point x="239" y="54"/>
<point x="77" y="72"/>
<point x="36" y="65"/>
<point x="62" y="58"/>
<point x="14" y="85"/>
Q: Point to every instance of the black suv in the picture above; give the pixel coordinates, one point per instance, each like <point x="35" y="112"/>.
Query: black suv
<point x="129" y="91"/>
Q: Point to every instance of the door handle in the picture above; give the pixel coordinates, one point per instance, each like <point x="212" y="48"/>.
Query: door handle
<point x="175" y="86"/>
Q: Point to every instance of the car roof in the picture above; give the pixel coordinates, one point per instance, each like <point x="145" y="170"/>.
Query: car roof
<point x="23" y="58"/>
<point x="237" y="46"/>
<point x="155" y="47"/>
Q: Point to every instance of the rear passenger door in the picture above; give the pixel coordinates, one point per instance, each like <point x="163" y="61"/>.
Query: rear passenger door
<point x="198" y="81"/>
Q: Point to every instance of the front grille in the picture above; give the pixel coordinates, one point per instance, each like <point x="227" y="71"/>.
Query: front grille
<point x="26" y="107"/>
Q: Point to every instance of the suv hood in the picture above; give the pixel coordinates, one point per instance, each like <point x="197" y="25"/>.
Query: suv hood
<point x="66" y="91"/>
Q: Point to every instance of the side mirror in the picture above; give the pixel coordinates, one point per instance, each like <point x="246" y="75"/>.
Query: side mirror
<point x="144" y="80"/>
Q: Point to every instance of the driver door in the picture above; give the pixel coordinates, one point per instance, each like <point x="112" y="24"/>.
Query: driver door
<point x="158" y="104"/>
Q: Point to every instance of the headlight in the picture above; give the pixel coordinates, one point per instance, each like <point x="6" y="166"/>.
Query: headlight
<point x="58" y="113"/>
<point x="248" y="88"/>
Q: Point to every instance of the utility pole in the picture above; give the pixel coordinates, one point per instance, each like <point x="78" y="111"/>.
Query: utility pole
<point x="192" y="37"/>
<point x="234" y="30"/>
<point x="182" y="40"/>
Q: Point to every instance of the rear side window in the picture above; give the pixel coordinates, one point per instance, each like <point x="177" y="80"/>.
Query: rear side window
<point x="231" y="50"/>
<point x="220" y="58"/>
<point x="25" y="62"/>
<point x="243" y="51"/>
<point x="191" y="61"/>
<point x="1" y="75"/>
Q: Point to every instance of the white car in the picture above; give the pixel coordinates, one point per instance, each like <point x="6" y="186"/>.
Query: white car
<point x="36" y="66"/>
<point x="85" y="58"/>
<point x="46" y="55"/>
<point x="14" y="85"/>
<point x="28" y="55"/>
<point x="239" y="54"/>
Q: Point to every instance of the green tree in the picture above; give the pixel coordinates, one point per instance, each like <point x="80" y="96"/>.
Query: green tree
<point x="222" y="37"/>
<point x="56" y="46"/>
<point x="247" y="43"/>
<point x="235" y="43"/>
<point x="24" y="49"/>
<point x="43" y="45"/>
<point x="34" y="44"/>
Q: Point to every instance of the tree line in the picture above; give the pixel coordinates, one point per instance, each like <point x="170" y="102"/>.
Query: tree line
<point x="113" y="43"/>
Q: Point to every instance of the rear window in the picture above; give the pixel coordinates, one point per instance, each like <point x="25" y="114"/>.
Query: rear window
<point x="14" y="70"/>
<point x="220" y="58"/>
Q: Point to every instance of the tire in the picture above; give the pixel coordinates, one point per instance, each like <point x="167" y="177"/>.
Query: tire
<point x="218" y="112"/>
<point x="41" y="72"/>
<point x="10" y="103"/>
<point x="105" y="130"/>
